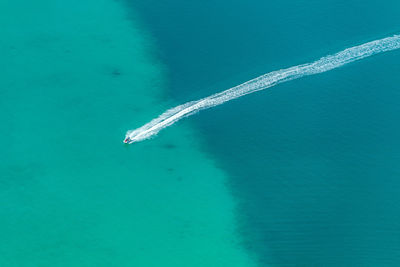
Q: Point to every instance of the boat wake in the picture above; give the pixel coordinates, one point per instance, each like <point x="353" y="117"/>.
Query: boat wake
<point x="324" y="64"/>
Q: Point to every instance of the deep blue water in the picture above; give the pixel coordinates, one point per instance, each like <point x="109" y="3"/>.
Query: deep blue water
<point x="313" y="163"/>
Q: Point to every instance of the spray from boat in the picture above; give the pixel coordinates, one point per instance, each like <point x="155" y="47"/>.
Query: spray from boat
<point x="268" y="80"/>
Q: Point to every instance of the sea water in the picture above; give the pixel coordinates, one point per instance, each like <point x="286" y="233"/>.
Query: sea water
<point x="74" y="76"/>
<point x="312" y="163"/>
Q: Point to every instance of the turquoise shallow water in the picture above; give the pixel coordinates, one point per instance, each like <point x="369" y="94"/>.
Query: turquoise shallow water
<point x="76" y="76"/>
<point x="313" y="163"/>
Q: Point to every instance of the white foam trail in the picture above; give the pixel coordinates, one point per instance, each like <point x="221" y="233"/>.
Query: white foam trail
<point x="327" y="63"/>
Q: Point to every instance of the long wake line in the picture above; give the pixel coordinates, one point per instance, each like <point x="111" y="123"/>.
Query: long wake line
<point x="324" y="64"/>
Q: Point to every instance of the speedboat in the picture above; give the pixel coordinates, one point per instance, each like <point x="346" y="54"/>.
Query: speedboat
<point x="128" y="140"/>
